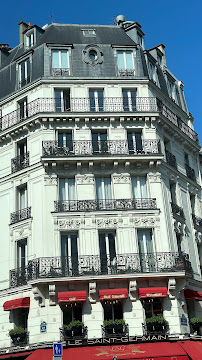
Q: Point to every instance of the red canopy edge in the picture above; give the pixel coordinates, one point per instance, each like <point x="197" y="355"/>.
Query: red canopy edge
<point x="13" y="356"/>
<point x="192" y="348"/>
<point x="110" y="294"/>
<point x="192" y="294"/>
<point x="71" y="296"/>
<point x="152" y="292"/>
<point x="21" y="303"/>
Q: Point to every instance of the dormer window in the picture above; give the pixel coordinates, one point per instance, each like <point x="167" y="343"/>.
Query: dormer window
<point x="125" y="62"/>
<point x="24" y="73"/>
<point x="60" y="63"/>
<point x="171" y="89"/>
<point x="159" y="60"/>
<point x="30" y="40"/>
<point x="139" y="39"/>
<point x="88" y="32"/>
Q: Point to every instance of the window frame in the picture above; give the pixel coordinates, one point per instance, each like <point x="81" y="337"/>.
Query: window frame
<point x="87" y="33"/>
<point x="27" y="79"/>
<point x="124" y="60"/>
<point x="60" y="59"/>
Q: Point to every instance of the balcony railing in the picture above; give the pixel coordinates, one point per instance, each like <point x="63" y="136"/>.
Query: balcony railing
<point x="24" y="82"/>
<point x="197" y="220"/>
<point x="20" y="162"/>
<point x="60" y="72"/>
<point x="109" y="204"/>
<point x="74" y="334"/>
<point x="100" y="148"/>
<point x="177" y="210"/>
<point x="20" y="215"/>
<point x="171" y="159"/>
<point x="154" y="329"/>
<point x="111" y="331"/>
<point x="190" y="172"/>
<point x="94" y="265"/>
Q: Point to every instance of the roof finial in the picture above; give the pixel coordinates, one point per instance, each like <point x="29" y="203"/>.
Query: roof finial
<point x="51" y="17"/>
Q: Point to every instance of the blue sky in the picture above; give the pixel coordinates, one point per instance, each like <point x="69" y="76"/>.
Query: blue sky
<point x="175" y="23"/>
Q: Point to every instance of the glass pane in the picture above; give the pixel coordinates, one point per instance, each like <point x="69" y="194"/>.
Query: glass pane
<point x="118" y="311"/>
<point x="64" y="59"/>
<point x="143" y="187"/>
<point x="67" y="315"/>
<point x="103" y="253"/>
<point x="69" y="142"/>
<point x="130" y="143"/>
<point x="71" y="189"/>
<point x="108" y="312"/>
<point x="66" y="99"/>
<point x="112" y="247"/>
<point x="107" y="188"/>
<point x="157" y="307"/>
<point x="55" y="59"/>
<point x="62" y="192"/>
<point x="120" y="57"/>
<point x="92" y="100"/>
<point x="74" y="247"/>
<point x="28" y="69"/>
<point x="149" y="244"/>
<point x="99" y="193"/>
<point x="125" y="100"/>
<point x="77" y="312"/>
<point x="100" y="99"/>
<point x="58" y="101"/>
<point x="135" y="189"/>
<point x="22" y="71"/>
<point x="64" y="247"/>
<point x="138" y="141"/>
<point x="140" y="235"/>
<point x="129" y="60"/>
<point x="148" y="308"/>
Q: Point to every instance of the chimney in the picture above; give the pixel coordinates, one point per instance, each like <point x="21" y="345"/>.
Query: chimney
<point x="22" y="27"/>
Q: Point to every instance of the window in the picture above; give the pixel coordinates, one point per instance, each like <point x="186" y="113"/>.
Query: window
<point x="30" y="40"/>
<point x="65" y="140"/>
<point x="99" y="142"/>
<point x="159" y="59"/>
<point x="62" y="100"/>
<point x="19" y="317"/>
<point x="139" y="39"/>
<point x="112" y="310"/>
<point x="71" y="312"/>
<point x="139" y="187"/>
<point x="151" y="70"/>
<point x="22" y="197"/>
<point x="67" y="189"/>
<point x="103" y="188"/>
<point x="60" y="62"/>
<point x="69" y="253"/>
<point x="186" y="159"/>
<point x="134" y="142"/>
<point x="23" y="109"/>
<point x="152" y="307"/>
<point x="107" y="252"/>
<point x="145" y="244"/>
<point x="22" y="147"/>
<point x="88" y="32"/>
<point x="22" y="253"/>
<point x="96" y="98"/>
<point x="125" y="62"/>
<point x="170" y="89"/>
<point x="129" y="99"/>
<point x="24" y="73"/>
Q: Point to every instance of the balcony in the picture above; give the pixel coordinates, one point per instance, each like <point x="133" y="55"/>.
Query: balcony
<point x="20" y="215"/>
<point x="99" y="148"/>
<point x="177" y="210"/>
<point x="96" y="205"/>
<point x="197" y="220"/>
<point x="190" y="172"/>
<point x="20" y="162"/>
<point x="171" y="159"/>
<point x="76" y="333"/>
<point x="93" y="265"/>
<point x="110" y="331"/>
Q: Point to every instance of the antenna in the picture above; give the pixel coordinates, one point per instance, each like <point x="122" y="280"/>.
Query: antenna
<point x="114" y="20"/>
<point x="51" y="18"/>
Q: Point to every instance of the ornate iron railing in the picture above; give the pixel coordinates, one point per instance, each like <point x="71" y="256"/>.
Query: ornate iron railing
<point x="60" y="72"/>
<point x="24" y="81"/>
<point x="154" y="329"/>
<point x="96" y="148"/>
<point x="74" y="334"/>
<point x="20" y="215"/>
<point x="93" y="265"/>
<point x="109" y="204"/>
<point x="171" y="159"/>
<point x="114" y="331"/>
<point x="20" y="162"/>
<point x="197" y="220"/>
<point x="177" y="210"/>
<point x="190" y="172"/>
<point x="126" y="73"/>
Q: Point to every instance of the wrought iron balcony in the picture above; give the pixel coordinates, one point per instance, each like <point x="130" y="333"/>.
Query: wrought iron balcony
<point x="197" y="220"/>
<point x="74" y="333"/>
<point x="94" y="265"/>
<point x="111" y="331"/>
<point x="60" y="72"/>
<point x="20" y="339"/>
<point x="177" y="210"/>
<point x="20" y="162"/>
<point x="154" y="329"/>
<point x="99" y="148"/>
<point x="24" y="81"/>
<point x="171" y="159"/>
<point x="109" y="204"/>
<point x="20" y="215"/>
<point x="190" y="172"/>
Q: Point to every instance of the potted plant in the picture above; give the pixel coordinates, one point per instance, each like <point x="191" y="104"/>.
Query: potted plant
<point x="74" y="328"/>
<point x="156" y="324"/>
<point x="18" y="335"/>
<point x="196" y="324"/>
<point x="114" y="326"/>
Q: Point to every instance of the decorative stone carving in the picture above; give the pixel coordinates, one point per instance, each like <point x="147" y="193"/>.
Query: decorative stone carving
<point x="52" y="300"/>
<point x="108" y="222"/>
<point x="92" y="292"/>
<point x="38" y="296"/>
<point x="85" y="179"/>
<point x="50" y="180"/>
<point x="178" y="227"/>
<point x="133" y="290"/>
<point x="154" y="177"/>
<point x="121" y="179"/>
<point x="69" y="224"/>
<point x="145" y="222"/>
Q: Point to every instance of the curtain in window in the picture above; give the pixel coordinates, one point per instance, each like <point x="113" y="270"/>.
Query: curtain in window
<point x="145" y="242"/>
<point x="67" y="189"/>
<point x="139" y="187"/>
<point x="103" y="188"/>
<point x="120" y="58"/>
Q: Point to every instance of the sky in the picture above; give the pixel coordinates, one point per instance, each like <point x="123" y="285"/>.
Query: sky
<point x="175" y="23"/>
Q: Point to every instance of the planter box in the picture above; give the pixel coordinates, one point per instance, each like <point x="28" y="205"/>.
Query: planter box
<point x="111" y="330"/>
<point x="18" y="339"/>
<point x="156" y="328"/>
<point x="79" y="332"/>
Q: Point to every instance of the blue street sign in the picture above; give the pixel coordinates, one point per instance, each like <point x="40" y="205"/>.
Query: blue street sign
<point x="43" y="327"/>
<point x="57" y="349"/>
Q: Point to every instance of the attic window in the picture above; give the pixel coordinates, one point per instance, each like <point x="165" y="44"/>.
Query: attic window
<point x="30" y="40"/>
<point x="88" y="32"/>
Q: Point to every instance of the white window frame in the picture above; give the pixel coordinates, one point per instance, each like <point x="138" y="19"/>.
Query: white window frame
<point x="88" y="32"/>
<point x="103" y="187"/>
<point x="19" y="252"/>
<point x="67" y="189"/>
<point x="124" y="59"/>
<point x="26" y="68"/>
<point x="20" y="197"/>
<point x="95" y="91"/>
<point x="129" y="91"/>
<point x="60" y="58"/>
<point x="138" y="185"/>
<point x="28" y="37"/>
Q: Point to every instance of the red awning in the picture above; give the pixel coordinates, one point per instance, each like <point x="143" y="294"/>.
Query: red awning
<point x="16" y="355"/>
<point x="71" y="296"/>
<point x="152" y="292"/>
<point x="21" y="303"/>
<point x="110" y="294"/>
<point x="193" y="349"/>
<point x="43" y="354"/>
<point x="192" y="294"/>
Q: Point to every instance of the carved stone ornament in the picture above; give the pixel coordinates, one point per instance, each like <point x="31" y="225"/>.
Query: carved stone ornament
<point x="52" y="298"/>
<point x="92" y="292"/>
<point x="38" y="296"/>
<point x="121" y="179"/>
<point x="178" y="227"/>
<point x="69" y="224"/>
<point x="133" y="290"/>
<point x="108" y="222"/>
<point x="50" y="180"/>
<point x="145" y="222"/>
<point x="85" y="179"/>
<point x="154" y="177"/>
<point x="171" y="288"/>
<point x="92" y="55"/>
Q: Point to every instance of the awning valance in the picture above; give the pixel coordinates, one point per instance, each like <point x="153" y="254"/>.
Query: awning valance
<point x="113" y="294"/>
<point x="72" y="296"/>
<point x="192" y="294"/>
<point x="152" y="292"/>
<point x="21" y="303"/>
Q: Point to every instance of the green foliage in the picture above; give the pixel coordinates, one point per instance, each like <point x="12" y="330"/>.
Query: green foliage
<point x="196" y="321"/>
<point x="17" y="331"/>
<point x="73" y="324"/>
<point x="157" y="320"/>
<point x="114" y="322"/>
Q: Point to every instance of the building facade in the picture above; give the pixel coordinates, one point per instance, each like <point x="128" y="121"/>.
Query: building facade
<point x="100" y="188"/>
